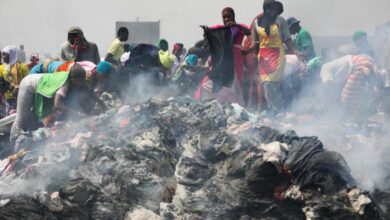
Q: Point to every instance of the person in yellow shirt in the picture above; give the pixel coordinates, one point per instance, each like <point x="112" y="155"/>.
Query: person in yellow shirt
<point x="4" y="86"/>
<point x="117" y="46"/>
<point x="270" y="34"/>
<point x="14" y="72"/>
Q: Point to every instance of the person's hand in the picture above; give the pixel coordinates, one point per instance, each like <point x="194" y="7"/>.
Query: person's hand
<point x="302" y="57"/>
<point x="103" y="108"/>
<point x="204" y="27"/>
<point x="49" y="120"/>
<point x="245" y="51"/>
<point x="78" y="45"/>
<point x="81" y="115"/>
<point x="75" y="46"/>
<point x="231" y="23"/>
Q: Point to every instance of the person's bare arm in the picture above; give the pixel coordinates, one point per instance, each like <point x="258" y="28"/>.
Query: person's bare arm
<point x="307" y="52"/>
<point x="291" y="47"/>
<point x="92" y="95"/>
<point x="244" y="29"/>
<point x="60" y="107"/>
<point x="110" y="58"/>
<point x="254" y="42"/>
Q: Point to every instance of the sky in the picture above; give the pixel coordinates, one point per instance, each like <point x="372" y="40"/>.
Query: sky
<point x="41" y="25"/>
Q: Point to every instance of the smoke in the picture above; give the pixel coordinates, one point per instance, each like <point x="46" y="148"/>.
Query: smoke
<point x="51" y="158"/>
<point x="48" y="164"/>
<point x="357" y="136"/>
<point x="145" y="85"/>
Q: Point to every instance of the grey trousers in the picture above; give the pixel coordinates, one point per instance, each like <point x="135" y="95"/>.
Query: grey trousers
<point x="25" y="103"/>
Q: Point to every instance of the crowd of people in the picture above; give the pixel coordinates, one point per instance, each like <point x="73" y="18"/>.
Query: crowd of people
<point x="272" y="61"/>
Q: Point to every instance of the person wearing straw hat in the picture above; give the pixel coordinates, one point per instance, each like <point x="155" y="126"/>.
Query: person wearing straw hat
<point x="303" y="41"/>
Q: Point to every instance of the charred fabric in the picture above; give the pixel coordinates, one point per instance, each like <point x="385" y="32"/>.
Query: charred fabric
<point x="161" y="160"/>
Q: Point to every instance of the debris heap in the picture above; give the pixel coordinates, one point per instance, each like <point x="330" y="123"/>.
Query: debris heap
<point x="176" y="159"/>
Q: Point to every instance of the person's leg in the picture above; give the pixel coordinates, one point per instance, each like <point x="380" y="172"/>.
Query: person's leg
<point x="23" y="111"/>
<point x="273" y="96"/>
<point x="260" y="96"/>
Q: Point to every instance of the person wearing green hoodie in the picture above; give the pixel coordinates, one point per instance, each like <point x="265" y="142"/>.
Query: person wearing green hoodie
<point x="45" y="94"/>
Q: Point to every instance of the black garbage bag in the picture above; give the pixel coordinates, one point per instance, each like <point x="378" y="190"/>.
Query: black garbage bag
<point x="313" y="167"/>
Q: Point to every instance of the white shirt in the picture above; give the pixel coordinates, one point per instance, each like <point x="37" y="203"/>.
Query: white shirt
<point x="337" y="70"/>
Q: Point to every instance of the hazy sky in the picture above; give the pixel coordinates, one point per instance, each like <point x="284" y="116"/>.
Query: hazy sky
<point x="41" y="25"/>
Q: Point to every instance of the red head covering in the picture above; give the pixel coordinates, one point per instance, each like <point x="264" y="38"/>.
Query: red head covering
<point x="178" y="46"/>
<point x="229" y="10"/>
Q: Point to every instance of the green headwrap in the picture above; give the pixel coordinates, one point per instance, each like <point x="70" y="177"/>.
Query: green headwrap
<point x="160" y="42"/>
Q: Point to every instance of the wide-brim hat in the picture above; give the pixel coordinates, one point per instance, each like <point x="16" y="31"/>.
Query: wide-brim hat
<point x="291" y="21"/>
<point x="278" y="4"/>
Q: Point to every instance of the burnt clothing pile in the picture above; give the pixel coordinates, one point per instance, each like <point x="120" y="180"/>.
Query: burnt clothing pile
<point x="221" y="51"/>
<point x="177" y="159"/>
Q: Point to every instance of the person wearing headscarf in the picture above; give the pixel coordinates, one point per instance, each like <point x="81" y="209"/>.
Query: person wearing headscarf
<point x="14" y="72"/>
<point x="101" y="79"/>
<point x="361" y="42"/>
<point x="347" y="79"/>
<point x="77" y="48"/>
<point x="92" y="76"/>
<point x="34" y="60"/>
<point x="239" y="31"/>
<point x="45" y="94"/>
<point x="4" y="86"/>
<point x="3" y="67"/>
<point x="177" y="53"/>
<point x="117" y="46"/>
<point x="50" y="65"/>
<point x="189" y="61"/>
<point x="150" y="60"/>
<point x="162" y="44"/>
<point x="97" y="81"/>
<point x="188" y="76"/>
<point x="269" y="35"/>
<point x="167" y="60"/>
